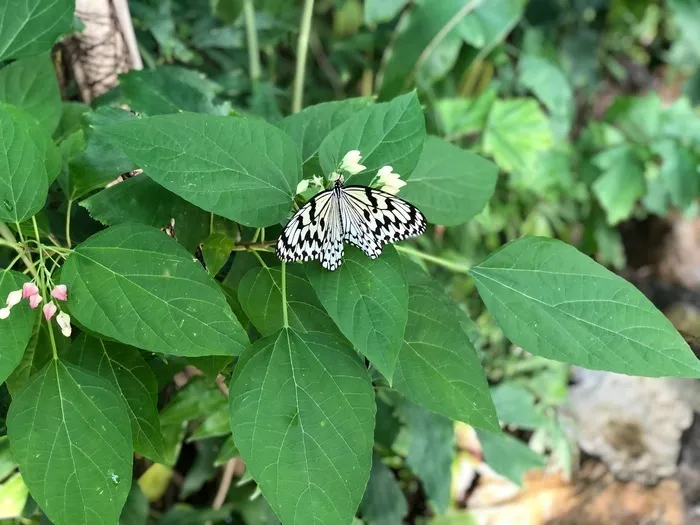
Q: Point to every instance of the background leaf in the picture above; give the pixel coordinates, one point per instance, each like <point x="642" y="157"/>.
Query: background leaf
<point x="137" y="285"/>
<point x="368" y="300"/>
<point x="24" y="180"/>
<point x="16" y="330"/>
<point x="127" y="371"/>
<point x="377" y="11"/>
<point x="391" y="133"/>
<point x="32" y="26"/>
<point x="508" y="456"/>
<point x="70" y="434"/>
<point x="31" y="85"/>
<point x="243" y="169"/>
<point x="450" y="185"/>
<point x="555" y="302"/>
<point x="216" y="249"/>
<point x="302" y="416"/>
<point x="383" y="502"/>
<point x="621" y="182"/>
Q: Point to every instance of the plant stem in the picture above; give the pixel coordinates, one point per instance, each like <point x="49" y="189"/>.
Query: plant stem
<point x="260" y="259"/>
<point x="42" y="286"/>
<point x="252" y="37"/>
<point x="211" y="223"/>
<point x="7" y="234"/>
<point x="302" y="51"/>
<point x="68" y="210"/>
<point x="455" y="267"/>
<point x="285" y="319"/>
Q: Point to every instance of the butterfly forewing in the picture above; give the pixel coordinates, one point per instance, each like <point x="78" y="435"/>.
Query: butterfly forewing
<point x="362" y="216"/>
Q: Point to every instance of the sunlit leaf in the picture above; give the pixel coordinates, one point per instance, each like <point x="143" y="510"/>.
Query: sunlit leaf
<point x="32" y="26"/>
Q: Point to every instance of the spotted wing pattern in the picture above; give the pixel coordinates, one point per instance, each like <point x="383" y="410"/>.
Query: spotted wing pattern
<point x="362" y="216"/>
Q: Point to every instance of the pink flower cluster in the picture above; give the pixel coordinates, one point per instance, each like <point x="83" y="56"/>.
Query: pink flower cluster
<point x="30" y="291"/>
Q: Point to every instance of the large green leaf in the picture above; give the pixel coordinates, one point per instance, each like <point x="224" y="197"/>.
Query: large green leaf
<point x="450" y="185"/>
<point x="489" y="23"/>
<point x="377" y="11"/>
<point x="162" y="90"/>
<point x="137" y="285"/>
<point x="463" y="116"/>
<point x="310" y="126"/>
<point x="260" y="293"/>
<point x="28" y="27"/>
<point x="553" y="301"/>
<point x="139" y="199"/>
<point x="431" y="450"/>
<point x="368" y="301"/>
<point x="438" y="367"/>
<point x="678" y="171"/>
<point x="243" y="169"/>
<point x="70" y="434"/>
<point x="24" y="182"/>
<point x="127" y="371"/>
<point x="391" y="133"/>
<point x="302" y="416"/>
<point x="508" y="456"/>
<point x="383" y="502"/>
<point x="31" y="85"/>
<point x="16" y="330"/>
<point x="622" y="182"/>
<point x="517" y="132"/>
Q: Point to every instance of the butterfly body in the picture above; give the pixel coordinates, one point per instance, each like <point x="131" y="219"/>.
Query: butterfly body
<point x="364" y="217"/>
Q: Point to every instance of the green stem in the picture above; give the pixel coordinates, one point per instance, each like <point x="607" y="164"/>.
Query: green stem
<point x="252" y="37"/>
<point x="255" y="236"/>
<point x="42" y="286"/>
<point x="285" y="319"/>
<point x="302" y="51"/>
<point x="211" y="223"/>
<point x="7" y="234"/>
<point x="68" y="210"/>
<point x="455" y="267"/>
<point x="13" y="261"/>
<point x="260" y="259"/>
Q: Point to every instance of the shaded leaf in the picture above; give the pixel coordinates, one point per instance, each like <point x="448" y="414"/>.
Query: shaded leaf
<point x="383" y="502"/>
<point x="216" y="249"/>
<point x="508" y="456"/>
<point x="377" y="11"/>
<point x="16" y="330"/>
<point x="137" y="285"/>
<point x="555" y="302"/>
<point x="32" y="26"/>
<point x="515" y="405"/>
<point x="621" y="184"/>
<point x="228" y="451"/>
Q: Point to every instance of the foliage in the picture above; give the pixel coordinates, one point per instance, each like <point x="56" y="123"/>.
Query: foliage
<point x="343" y="387"/>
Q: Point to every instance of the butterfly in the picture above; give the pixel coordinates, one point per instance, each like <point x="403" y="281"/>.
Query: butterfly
<point x="362" y="216"/>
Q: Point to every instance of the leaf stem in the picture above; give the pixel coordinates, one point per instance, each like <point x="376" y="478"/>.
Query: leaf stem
<point x="455" y="267"/>
<point x="252" y="38"/>
<point x="7" y="234"/>
<point x="211" y="223"/>
<point x="42" y="285"/>
<point x="260" y="259"/>
<point x="285" y="318"/>
<point x="302" y="51"/>
<point x="68" y="210"/>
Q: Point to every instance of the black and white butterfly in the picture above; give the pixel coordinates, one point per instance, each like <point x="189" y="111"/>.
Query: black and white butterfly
<point x="364" y="217"/>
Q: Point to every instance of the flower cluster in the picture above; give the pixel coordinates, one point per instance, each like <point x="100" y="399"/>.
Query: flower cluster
<point x="30" y="291"/>
<point x="391" y="182"/>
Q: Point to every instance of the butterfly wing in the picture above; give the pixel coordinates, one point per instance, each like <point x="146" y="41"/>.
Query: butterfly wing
<point x="314" y="232"/>
<point x="376" y="218"/>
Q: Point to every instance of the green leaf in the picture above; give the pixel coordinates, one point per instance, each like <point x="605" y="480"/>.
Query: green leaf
<point x="24" y="182"/>
<point x="515" y="405"/>
<point x="310" y="126"/>
<point x="438" y="367"/>
<point x="216" y="424"/>
<point x="391" y="133"/>
<point x="137" y="285"/>
<point x="489" y="23"/>
<point x="243" y="169"/>
<point x="31" y="85"/>
<point x="431" y="450"/>
<point x="127" y="371"/>
<point x="377" y="11"/>
<point x="368" y="301"/>
<point x="71" y="117"/>
<point x="555" y="302"/>
<point x="550" y="85"/>
<point x="679" y="171"/>
<point x="516" y="134"/>
<point x="383" y="502"/>
<point x="302" y="416"/>
<point x="16" y="330"/>
<point x="464" y="116"/>
<point x="139" y="199"/>
<point x="216" y="249"/>
<point x="508" y="456"/>
<point x="161" y="90"/>
<point x="196" y="400"/>
<point x="183" y="514"/>
<point x="428" y="23"/>
<point x="621" y="184"/>
<point x="260" y="294"/>
<point x="135" y="511"/>
<point x="450" y="185"/>
<point x="32" y="26"/>
<point x="71" y="436"/>
<point x="228" y="451"/>
<point x="639" y="118"/>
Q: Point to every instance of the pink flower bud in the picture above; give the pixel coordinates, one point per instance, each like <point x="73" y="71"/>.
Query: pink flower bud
<point x="4" y="313"/>
<point x="13" y="298"/>
<point x="63" y="320"/>
<point x="49" y="310"/>
<point x="34" y="300"/>
<point x="60" y="292"/>
<point x="29" y="289"/>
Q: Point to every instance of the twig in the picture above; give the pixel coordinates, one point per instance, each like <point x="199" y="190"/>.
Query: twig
<point x="302" y="51"/>
<point x="252" y="38"/>
<point x="225" y="484"/>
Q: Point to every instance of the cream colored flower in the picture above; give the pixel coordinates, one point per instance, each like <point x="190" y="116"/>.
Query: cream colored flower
<point x="13" y="298"/>
<point x="63" y="320"/>
<point x="317" y="181"/>
<point x="302" y="186"/>
<point x="351" y="162"/>
<point x="391" y="182"/>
